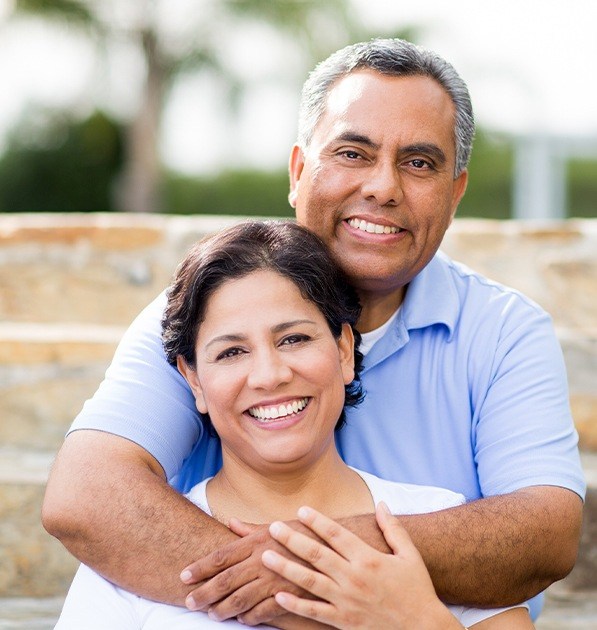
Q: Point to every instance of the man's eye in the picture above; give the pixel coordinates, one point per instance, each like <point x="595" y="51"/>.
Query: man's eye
<point x="419" y="163"/>
<point x="351" y="155"/>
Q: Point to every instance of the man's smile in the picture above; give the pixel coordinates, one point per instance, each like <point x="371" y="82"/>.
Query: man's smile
<point x="372" y="228"/>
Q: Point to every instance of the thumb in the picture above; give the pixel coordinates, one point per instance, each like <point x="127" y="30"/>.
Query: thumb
<point x="396" y="536"/>
<point x="240" y="528"/>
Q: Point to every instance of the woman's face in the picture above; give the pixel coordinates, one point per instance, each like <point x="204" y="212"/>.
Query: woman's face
<point x="269" y="372"/>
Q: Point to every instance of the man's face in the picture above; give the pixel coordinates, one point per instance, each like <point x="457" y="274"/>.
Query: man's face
<point x="377" y="180"/>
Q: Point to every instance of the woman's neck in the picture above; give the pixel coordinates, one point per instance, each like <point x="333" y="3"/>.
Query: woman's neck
<point x="276" y="493"/>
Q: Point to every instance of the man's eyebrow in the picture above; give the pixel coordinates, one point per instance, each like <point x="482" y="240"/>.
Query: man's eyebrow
<point x="357" y="138"/>
<point x="426" y="148"/>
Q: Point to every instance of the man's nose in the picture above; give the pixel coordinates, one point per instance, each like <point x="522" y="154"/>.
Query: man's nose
<point x="268" y="370"/>
<point x="383" y="183"/>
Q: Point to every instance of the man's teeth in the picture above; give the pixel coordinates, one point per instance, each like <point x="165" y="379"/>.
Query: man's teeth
<point x="372" y="228"/>
<point x="278" y="411"/>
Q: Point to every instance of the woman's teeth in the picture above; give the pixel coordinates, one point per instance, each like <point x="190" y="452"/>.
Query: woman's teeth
<point x="273" y="412"/>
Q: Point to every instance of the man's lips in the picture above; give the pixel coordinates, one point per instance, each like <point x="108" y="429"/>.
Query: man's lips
<point x="269" y="413"/>
<point x="372" y="228"/>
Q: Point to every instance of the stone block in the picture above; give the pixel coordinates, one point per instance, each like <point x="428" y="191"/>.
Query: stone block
<point x="33" y="563"/>
<point x="46" y="374"/>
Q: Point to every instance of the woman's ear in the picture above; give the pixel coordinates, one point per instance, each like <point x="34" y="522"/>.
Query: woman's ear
<point x="190" y="376"/>
<point x="346" y="349"/>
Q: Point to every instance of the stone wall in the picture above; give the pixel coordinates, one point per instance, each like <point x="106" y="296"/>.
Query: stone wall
<point x="70" y="284"/>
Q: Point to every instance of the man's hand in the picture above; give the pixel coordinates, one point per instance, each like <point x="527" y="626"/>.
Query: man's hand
<point x="107" y="501"/>
<point x="234" y="580"/>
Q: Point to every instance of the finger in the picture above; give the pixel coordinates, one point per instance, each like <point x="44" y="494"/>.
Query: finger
<point x="308" y="608"/>
<point x="264" y="612"/>
<point x="396" y="536"/>
<point x="344" y="542"/>
<point x="215" y="562"/>
<point x="224" y="585"/>
<point x="316" y="554"/>
<point x="318" y="584"/>
<point x="240" y="528"/>
<point x="241" y="602"/>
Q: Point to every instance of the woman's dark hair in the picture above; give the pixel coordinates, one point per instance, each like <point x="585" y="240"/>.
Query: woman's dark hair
<point x="280" y="246"/>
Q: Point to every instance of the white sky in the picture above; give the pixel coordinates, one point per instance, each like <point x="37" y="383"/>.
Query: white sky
<point x="531" y="65"/>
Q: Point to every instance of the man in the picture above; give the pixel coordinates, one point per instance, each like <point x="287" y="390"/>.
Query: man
<point x="465" y="381"/>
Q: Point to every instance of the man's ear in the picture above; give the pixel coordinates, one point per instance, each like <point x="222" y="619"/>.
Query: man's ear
<point x="190" y="376"/>
<point x="295" y="168"/>
<point x="458" y="190"/>
<point x="346" y="349"/>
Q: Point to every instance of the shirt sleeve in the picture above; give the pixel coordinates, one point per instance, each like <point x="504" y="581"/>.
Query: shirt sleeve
<point x="143" y="398"/>
<point x="522" y="425"/>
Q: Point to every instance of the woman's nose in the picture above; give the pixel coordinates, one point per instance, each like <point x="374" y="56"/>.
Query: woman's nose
<point x="268" y="370"/>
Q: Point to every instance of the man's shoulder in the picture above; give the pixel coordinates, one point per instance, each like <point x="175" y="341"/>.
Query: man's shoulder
<point x="474" y="288"/>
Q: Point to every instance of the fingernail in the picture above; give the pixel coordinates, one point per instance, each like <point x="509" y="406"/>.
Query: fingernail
<point x="275" y="528"/>
<point x="281" y="598"/>
<point x="304" y="512"/>
<point x="384" y="507"/>
<point x="190" y="603"/>
<point x="268" y="556"/>
<point x="186" y="576"/>
<point x="211" y="613"/>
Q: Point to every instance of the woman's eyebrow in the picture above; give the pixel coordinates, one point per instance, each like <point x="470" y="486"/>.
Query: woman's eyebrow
<point x="237" y="337"/>
<point x="228" y="338"/>
<point x="286" y="325"/>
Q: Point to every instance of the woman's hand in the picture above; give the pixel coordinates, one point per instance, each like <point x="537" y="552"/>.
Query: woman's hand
<point x="357" y="586"/>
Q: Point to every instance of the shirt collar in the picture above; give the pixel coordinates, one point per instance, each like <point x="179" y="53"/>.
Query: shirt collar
<point x="431" y="297"/>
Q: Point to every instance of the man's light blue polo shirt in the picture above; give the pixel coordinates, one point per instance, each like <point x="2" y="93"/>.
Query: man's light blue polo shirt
<point x="467" y="390"/>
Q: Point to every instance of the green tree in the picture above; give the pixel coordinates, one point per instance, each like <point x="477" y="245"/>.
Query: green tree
<point x="171" y="50"/>
<point x="61" y="165"/>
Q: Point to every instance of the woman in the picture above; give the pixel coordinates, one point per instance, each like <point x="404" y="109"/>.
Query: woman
<point x="259" y="322"/>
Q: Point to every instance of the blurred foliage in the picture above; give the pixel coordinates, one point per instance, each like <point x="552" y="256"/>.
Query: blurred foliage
<point x="582" y="188"/>
<point x="489" y="191"/>
<point x="55" y="164"/>
<point x="246" y="192"/>
<point x="67" y="167"/>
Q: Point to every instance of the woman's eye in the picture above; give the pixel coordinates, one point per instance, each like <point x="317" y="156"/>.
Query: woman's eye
<point x="229" y="353"/>
<point x="291" y="340"/>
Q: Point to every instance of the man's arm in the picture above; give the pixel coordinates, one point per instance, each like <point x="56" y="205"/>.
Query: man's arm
<point x="504" y="549"/>
<point x="108" y="502"/>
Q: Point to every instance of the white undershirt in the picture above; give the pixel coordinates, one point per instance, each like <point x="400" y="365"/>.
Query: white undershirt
<point x="368" y="339"/>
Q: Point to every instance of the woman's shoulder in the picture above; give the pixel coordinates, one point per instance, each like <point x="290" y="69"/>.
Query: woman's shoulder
<point x="408" y="498"/>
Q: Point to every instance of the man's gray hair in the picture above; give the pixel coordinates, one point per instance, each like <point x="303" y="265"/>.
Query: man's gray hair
<point x="393" y="57"/>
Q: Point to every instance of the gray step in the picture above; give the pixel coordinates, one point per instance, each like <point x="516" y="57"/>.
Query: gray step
<point x="47" y="371"/>
<point x="33" y="563"/>
<point x="577" y="612"/>
<point x="25" y="613"/>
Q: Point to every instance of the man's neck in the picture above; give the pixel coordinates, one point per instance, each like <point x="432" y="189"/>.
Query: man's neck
<point x="377" y="309"/>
